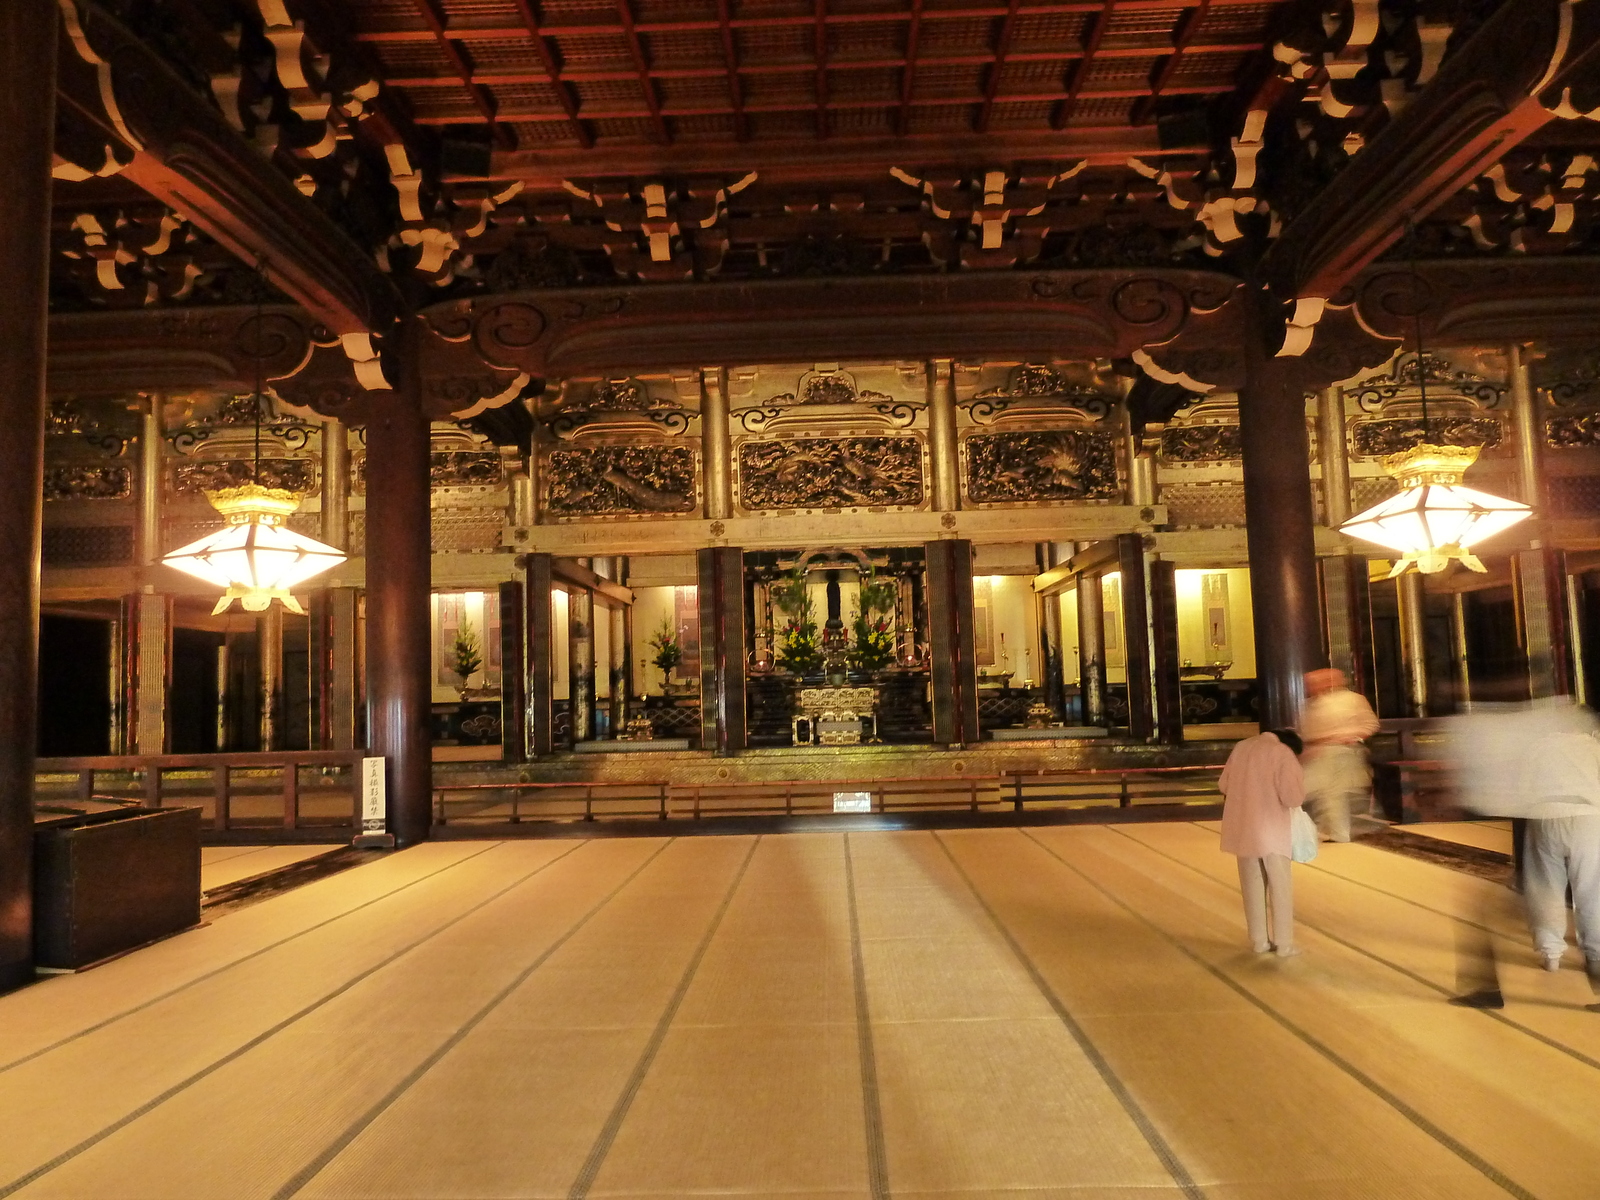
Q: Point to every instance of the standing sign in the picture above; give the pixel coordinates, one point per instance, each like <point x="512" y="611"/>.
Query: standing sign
<point x="374" y="798"/>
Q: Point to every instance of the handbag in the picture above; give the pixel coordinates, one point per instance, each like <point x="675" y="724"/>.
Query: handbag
<point x="1302" y="836"/>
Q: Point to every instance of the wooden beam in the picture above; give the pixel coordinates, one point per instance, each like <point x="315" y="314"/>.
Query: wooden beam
<point x="571" y="571"/>
<point x="187" y="156"/>
<point x="1491" y="94"/>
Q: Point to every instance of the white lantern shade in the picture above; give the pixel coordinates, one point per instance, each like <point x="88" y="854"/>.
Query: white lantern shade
<point x="1428" y="522"/>
<point x="255" y="557"/>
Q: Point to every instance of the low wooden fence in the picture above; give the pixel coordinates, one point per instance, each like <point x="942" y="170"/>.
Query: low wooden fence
<point x="142" y="778"/>
<point x="1018" y="792"/>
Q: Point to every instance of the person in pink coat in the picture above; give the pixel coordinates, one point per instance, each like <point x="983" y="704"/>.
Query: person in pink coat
<point x="1261" y="787"/>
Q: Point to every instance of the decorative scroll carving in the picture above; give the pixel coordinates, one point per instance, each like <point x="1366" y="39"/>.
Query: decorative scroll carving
<point x="463" y="468"/>
<point x="1569" y="378"/>
<point x="1200" y="443"/>
<point x="66" y="418"/>
<point x="1068" y="464"/>
<point x="831" y="473"/>
<point x="1567" y="430"/>
<point x="239" y="413"/>
<point x="88" y="483"/>
<point x="1033" y="389"/>
<point x="620" y="406"/>
<point x="620" y="480"/>
<point x="1405" y="378"/>
<point x="1373" y="439"/>
<point x="828" y="387"/>
<point x="291" y="474"/>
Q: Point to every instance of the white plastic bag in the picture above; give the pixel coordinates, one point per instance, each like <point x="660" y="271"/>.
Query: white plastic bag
<point x="1302" y="836"/>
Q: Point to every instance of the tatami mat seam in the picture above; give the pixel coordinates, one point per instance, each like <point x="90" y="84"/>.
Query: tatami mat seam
<point x="182" y="1085"/>
<point x="1141" y="1120"/>
<point x="1542" y="1039"/>
<point x="1462" y="1151"/>
<point x="872" y="1110"/>
<point x="254" y="954"/>
<point x="619" y="1112"/>
<point x="311" y="1170"/>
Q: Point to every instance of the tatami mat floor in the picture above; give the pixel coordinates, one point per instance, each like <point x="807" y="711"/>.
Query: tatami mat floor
<point x="222" y="865"/>
<point x="1061" y="1013"/>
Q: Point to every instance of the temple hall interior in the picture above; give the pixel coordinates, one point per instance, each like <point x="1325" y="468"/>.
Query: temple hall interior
<point x="651" y="598"/>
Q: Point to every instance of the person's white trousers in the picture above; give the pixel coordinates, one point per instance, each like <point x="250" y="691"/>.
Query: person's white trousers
<point x="1265" y="883"/>
<point x="1338" y="782"/>
<point x="1560" y="852"/>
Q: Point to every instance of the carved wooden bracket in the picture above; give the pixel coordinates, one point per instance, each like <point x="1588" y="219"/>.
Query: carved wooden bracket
<point x="184" y="153"/>
<point x="1482" y="301"/>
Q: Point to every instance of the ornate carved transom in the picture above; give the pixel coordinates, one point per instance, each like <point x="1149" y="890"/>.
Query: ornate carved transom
<point x="1066" y="464"/>
<point x="620" y="481"/>
<point x="866" y="472"/>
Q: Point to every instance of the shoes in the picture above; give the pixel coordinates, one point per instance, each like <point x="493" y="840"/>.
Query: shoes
<point x="1552" y="962"/>
<point x="1288" y="951"/>
<point x="1262" y="947"/>
<point x="1489" y="999"/>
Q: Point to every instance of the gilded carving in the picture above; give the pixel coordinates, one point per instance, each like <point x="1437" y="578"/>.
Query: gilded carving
<point x="88" y="483"/>
<point x="1406" y="378"/>
<point x="620" y="480"/>
<point x="1372" y="439"/>
<point x="870" y="472"/>
<point x="619" y="406"/>
<point x="1200" y="443"/>
<point x="829" y="387"/>
<point x="239" y="413"/>
<point x="1573" y="429"/>
<point x="291" y="474"/>
<point x="66" y="418"/>
<point x="1068" y="464"/>
<point x="463" y="468"/>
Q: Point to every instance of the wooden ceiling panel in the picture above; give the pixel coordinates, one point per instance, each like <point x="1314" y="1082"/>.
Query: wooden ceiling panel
<point x="774" y="45"/>
<point x="669" y="50"/>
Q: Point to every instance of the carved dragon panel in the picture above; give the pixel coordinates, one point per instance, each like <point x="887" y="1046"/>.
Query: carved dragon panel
<point x="197" y="478"/>
<point x="88" y="483"/>
<point x="1373" y="439"/>
<point x="1068" y="464"/>
<point x="872" y="472"/>
<point x="620" y="481"/>
<point x="1200" y="443"/>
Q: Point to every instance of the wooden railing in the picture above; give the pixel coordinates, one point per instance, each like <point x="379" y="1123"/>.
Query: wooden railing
<point x="1411" y="790"/>
<point x="516" y="803"/>
<point x="152" y="789"/>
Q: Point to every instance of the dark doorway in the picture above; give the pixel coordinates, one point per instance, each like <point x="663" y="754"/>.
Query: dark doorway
<point x="194" y="691"/>
<point x="1496" y="662"/>
<point x="74" y="686"/>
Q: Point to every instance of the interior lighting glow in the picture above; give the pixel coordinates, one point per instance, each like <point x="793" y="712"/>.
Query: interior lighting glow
<point x="1434" y="520"/>
<point x="255" y="557"/>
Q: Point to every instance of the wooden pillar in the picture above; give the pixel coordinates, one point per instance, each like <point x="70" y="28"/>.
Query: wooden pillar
<point x="1163" y="591"/>
<point x="1460" y="651"/>
<point x="333" y="609"/>
<point x="540" y="626"/>
<point x="269" y="654"/>
<point x="27" y="127"/>
<point x="1137" y="640"/>
<point x="399" y="580"/>
<point x="1333" y="456"/>
<point x="151" y="671"/>
<point x="722" y="649"/>
<point x="715" y="445"/>
<point x="953" y="667"/>
<point x="1537" y="571"/>
<point x="1413" y="604"/>
<point x="513" y="674"/>
<point x="1092" y="649"/>
<point x="942" y="448"/>
<point x="619" y="670"/>
<point x="1278" y="534"/>
<point x="580" y="663"/>
<point x="1050" y="645"/>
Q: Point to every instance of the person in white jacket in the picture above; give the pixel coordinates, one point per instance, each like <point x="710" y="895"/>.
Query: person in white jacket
<point x="1562" y="847"/>
<point x="1334" y="725"/>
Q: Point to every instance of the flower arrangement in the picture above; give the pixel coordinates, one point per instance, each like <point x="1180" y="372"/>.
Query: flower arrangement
<point x="466" y="653"/>
<point x="800" y="641"/>
<point x="668" y="648"/>
<point x="873" y="627"/>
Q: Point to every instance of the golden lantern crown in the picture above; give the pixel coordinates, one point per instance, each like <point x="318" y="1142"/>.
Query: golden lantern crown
<point x="255" y="557"/>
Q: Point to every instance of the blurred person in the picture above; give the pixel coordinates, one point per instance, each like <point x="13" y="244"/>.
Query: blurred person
<point x="1539" y="764"/>
<point x="1261" y="786"/>
<point x="1334" y="725"/>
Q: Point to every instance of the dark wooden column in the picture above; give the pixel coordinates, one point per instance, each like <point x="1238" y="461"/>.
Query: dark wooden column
<point x="27" y="124"/>
<point x="513" y="675"/>
<point x="399" y="580"/>
<point x="1278" y="533"/>
<point x="953" y="668"/>
<point x="540" y="655"/>
<point x="1050" y="647"/>
<point x="1164" y="645"/>
<point x="1091" y="650"/>
<point x="1136" y="639"/>
<point x="722" y="649"/>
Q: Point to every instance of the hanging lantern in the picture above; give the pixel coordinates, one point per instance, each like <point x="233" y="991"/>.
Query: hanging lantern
<point x="255" y="557"/>
<point x="1434" y="521"/>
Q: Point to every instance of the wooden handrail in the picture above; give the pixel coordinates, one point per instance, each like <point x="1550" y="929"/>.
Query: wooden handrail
<point x="286" y="762"/>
